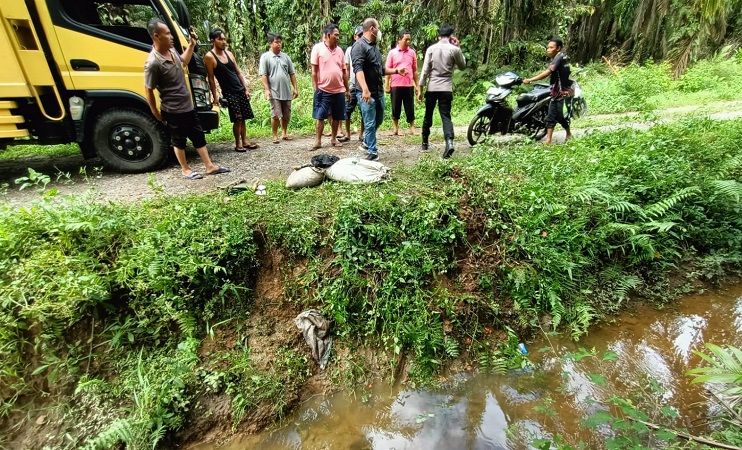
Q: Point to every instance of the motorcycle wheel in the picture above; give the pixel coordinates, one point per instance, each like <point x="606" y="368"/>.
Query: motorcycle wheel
<point x="478" y="128"/>
<point x="537" y="127"/>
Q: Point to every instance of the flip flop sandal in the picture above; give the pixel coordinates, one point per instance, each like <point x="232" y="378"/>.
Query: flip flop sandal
<point x="193" y="176"/>
<point x="251" y="146"/>
<point x="315" y="147"/>
<point x="218" y="171"/>
<point x="276" y="141"/>
<point x="287" y="138"/>
<point x="336" y="144"/>
<point x="343" y="139"/>
<point x="240" y="149"/>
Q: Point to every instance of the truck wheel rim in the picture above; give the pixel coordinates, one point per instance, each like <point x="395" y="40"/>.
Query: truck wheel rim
<point x="130" y="142"/>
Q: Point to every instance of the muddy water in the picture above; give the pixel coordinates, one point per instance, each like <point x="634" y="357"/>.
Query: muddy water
<point x="479" y="411"/>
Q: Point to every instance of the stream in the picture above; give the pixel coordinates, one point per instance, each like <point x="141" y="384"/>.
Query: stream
<point x="485" y="411"/>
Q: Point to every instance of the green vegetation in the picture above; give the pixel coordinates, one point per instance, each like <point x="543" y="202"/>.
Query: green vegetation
<point x="494" y="34"/>
<point x="636" y="408"/>
<point x="141" y="312"/>
<point x="52" y="151"/>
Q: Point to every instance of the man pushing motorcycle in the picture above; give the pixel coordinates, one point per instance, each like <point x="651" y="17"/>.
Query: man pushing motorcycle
<point x="561" y="87"/>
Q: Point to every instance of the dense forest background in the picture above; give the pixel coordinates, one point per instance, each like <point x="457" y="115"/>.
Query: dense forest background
<point x="494" y="33"/>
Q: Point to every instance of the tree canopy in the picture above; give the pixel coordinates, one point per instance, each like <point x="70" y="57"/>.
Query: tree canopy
<point x="494" y="32"/>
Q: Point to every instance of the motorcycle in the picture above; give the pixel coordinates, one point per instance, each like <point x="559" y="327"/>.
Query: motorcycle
<point x="529" y="116"/>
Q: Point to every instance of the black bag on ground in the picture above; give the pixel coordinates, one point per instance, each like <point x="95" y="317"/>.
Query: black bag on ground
<point x="324" y="161"/>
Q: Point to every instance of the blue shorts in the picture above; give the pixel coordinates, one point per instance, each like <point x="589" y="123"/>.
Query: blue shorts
<point x="326" y="104"/>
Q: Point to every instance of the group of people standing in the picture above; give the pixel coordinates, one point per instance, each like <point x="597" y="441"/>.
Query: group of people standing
<point x="359" y="78"/>
<point x="342" y="81"/>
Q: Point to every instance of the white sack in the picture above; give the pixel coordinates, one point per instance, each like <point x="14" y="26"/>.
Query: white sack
<point x="357" y="171"/>
<point x="305" y="177"/>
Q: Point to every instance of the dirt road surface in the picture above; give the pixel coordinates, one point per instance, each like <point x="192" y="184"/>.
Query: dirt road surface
<point x="268" y="162"/>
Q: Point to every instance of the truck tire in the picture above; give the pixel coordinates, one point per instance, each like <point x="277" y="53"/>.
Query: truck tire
<point x="129" y="141"/>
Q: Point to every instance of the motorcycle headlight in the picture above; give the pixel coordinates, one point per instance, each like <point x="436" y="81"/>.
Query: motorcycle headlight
<point x="495" y="93"/>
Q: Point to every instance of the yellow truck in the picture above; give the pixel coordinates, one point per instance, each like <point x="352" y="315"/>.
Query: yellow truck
<point x="73" y="71"/>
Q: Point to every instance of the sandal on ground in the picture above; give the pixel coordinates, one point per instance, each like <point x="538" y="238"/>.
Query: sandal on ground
<point x="343" y="139"/>
<point x="240" y="149"/>
<point x="218" y="171"/>
<point x="276" y="141"/>
<point x="287" y="138"/>
<point x="336" y="144"/>
<point x="251" y="146"/>
<point x="315" y="147"/>
<point x="193" y="176"/>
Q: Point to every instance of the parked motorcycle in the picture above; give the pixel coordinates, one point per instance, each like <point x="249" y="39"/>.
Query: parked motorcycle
<point x="529" y="116"/>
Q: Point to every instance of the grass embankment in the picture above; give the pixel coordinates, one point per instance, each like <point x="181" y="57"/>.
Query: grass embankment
<point x="134" y="322"/>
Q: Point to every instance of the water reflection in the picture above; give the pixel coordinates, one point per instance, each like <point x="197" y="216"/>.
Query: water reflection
<point x="506" y="412"/>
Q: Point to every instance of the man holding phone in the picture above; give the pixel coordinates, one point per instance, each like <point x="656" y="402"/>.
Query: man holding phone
<point x="441" y="59"/>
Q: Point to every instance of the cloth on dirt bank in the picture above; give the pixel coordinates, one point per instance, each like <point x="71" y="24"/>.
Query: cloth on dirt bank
<point x="358" y="171"/>
<point x="316" y="331"/>
<point x="324" y="161"/>
<point x="305" y="177"/>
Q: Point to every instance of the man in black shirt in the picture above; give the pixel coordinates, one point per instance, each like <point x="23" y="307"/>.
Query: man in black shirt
<point x="369" y="69"/>
<point x="220" y="63"/>
<point x="561" y="85"/>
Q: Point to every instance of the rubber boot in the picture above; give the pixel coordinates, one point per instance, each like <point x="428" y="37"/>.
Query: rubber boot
<point x="449" y="149"/>
<point x="424" y="146"/>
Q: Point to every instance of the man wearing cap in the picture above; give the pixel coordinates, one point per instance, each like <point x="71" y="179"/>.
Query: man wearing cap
<point x="353" y="102"/>
<point x="440" y="61"/>
<point x="369" y="69"/>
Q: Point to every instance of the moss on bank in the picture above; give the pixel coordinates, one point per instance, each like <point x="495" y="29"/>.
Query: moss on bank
<point x="161" y="322"/>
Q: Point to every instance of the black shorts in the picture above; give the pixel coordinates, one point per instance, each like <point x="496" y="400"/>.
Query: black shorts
<point x="239" y="106"/>
<point x="184" y="126"/>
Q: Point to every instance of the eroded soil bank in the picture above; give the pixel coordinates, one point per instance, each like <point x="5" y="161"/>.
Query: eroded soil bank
<point x="170" y="321"/>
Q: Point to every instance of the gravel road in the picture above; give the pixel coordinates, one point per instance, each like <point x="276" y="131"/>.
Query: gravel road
<point x="268" y="162"/>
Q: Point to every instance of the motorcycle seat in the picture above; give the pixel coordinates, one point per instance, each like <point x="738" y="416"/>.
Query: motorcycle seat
<point x="533" y="96"/>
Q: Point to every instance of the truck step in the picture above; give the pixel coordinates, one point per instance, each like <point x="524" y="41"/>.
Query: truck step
<point x="4" y="120"/>
<point x="9" y="122"/>
<point x="12" y="133"/>
<point x="7" y="105"/>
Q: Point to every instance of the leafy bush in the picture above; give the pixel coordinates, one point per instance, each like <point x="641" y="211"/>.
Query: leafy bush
<point x="426" y="265"/>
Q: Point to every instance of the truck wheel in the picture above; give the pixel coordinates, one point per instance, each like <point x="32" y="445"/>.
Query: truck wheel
<point x="129" y="141"/>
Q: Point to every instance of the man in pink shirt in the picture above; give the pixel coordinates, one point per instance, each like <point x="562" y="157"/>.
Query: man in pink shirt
<point x="330" y="82"/>
<point x="402" y="87"/>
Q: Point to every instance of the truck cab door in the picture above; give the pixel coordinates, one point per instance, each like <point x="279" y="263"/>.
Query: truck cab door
<point x="105" y="43"/>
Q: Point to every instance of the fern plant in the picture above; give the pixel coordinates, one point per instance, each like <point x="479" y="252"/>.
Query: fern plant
<point x="725" y="367"/>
